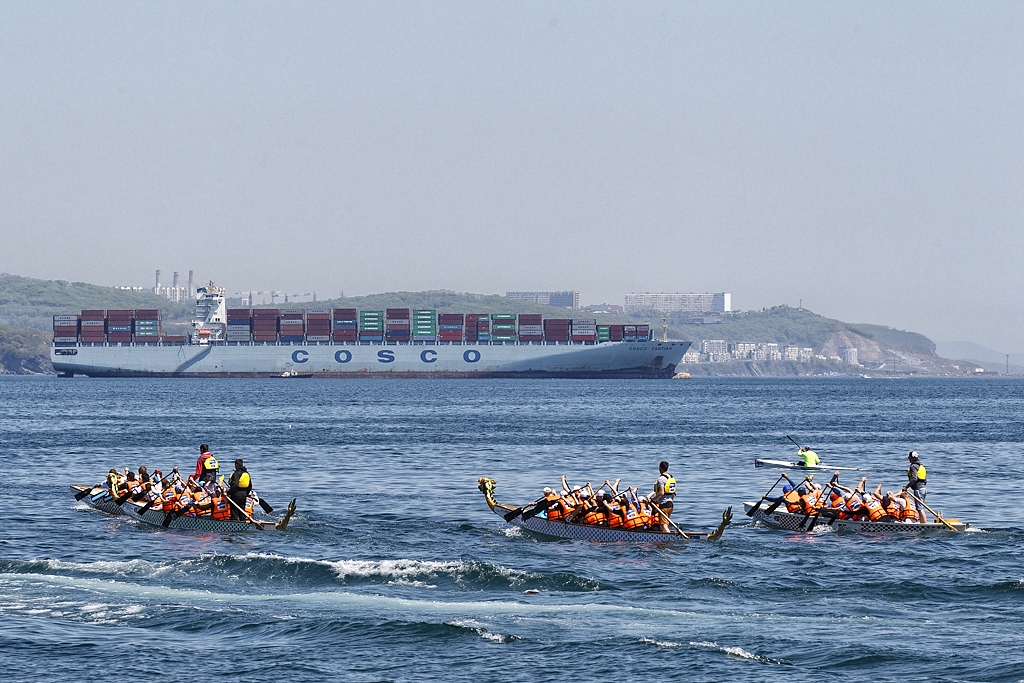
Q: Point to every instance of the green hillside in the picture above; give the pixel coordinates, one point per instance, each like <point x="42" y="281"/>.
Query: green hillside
<point x="795" y="326"/>
<point x="24" y="351"/>
<point x="28" y="302"/>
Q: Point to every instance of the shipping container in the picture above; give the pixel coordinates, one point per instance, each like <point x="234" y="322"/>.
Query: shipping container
<point x="72" y="338"/>
<point x="147" y="339"/>
<point x="318" y="337"/>
<point x="344" y="335"/>
<point x="93" y="314"/>
<point x="398" y="312"/>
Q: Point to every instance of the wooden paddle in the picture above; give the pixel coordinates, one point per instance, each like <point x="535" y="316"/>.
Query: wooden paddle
<point x="242" y="510"/>
<point x="821" y="505"/>
<point x="87" y="491"/>
<point x="152" y="502"/>
<point x="774" y="506"/>
<point x="669" y="520"/>
<point x="934" y="514"/>
<point x="752" y="511"/>
<point x="518" y="511"/>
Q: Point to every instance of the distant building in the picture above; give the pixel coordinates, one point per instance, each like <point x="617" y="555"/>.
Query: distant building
<point x="791" y="353"/>
<point x="679" y="303"/>
<point x="806" y="354"/>
<point x="710" y="346"/>
<point x="557" y="299"/>
<point x="742" y="350"/>
<point x="129" y="288"/>
<point x="175" y="292"/>
<point x="849" y="355"/>
<point x="692" y="355"/>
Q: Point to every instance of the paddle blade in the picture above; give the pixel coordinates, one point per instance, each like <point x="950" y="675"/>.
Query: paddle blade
<point x="773" y="507"/>
<point x="266" y="506"/>
<point x="168" y="518"/>
<point x="512" y="515"/>
<point x="146" y="507"/>
<point x="753" y="511"/>
<point x="122" y="499"/>
<point x="82" y="494"/>
<point x="537" y="509"/>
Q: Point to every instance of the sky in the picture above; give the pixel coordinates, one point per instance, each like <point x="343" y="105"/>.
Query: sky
<point x="864" y="159"/>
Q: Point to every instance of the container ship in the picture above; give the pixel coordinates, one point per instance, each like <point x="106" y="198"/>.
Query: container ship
<point x="345" y="342"/>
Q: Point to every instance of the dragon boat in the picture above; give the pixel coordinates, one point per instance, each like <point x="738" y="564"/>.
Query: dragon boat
<point x="98" y="498"/>
<point x="163" y="520"/>
<point x="538" y="523"/>
<point x="790" y="521"/>
<point x="786" y="465"/>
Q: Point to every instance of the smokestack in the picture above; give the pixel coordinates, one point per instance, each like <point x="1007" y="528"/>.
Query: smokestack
<point x="175" y="279"/>
<point x="191" y="289"/>
<point x="157" y="288"/>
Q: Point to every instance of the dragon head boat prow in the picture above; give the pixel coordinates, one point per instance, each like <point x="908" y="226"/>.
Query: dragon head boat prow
<point x="726" y="519"/>
<point x="486" y="487"/>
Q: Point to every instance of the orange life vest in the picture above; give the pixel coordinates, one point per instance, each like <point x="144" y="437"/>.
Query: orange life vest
<point x="875" y="509"/>
<point x="221" y="508"/>
<point x="808" y="502"/>
<point x="793" y="502"/>
<point x="909" y="513"/>
<point x="893" y="509"/>
<point x="249" y="502"/>
<point x="554" y="510"/>
<point x="631" y="516"/>
<point x="645" y="513"/>
<point x="615" y="515"/>
<point x="594" y="515"/>
<point x="854" y="504"/>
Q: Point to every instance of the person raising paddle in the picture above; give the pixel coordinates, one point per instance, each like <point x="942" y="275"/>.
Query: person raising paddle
<point x="664" y="495"/>
<point x="808" y="457"/>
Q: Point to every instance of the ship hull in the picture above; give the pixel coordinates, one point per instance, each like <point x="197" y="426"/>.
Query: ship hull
<point x="625" y="360"/>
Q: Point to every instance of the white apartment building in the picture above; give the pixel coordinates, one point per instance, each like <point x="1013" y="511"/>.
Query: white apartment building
<point x="711" y="346"/>
<point x="559" y="299"/>
<point x="679" y="303"/>
<point x="849" y="355"/>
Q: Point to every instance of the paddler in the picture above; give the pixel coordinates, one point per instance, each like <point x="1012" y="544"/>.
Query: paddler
<point x="206" y="466"/>
<point x="808" y="457"/>
<point x="239" y="487"/>
<point x="664" y="494"/>
<point x="916" y="483"/>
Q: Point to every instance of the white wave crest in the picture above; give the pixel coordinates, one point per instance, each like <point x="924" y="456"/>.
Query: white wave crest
<point x="481" y="631"/>
<point x="734" y="652"/>
<point x="660" y="643"/>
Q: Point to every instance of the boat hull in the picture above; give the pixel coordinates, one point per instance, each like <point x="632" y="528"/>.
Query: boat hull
<point x="628" y="360"/>
<point x="785" y="465"/>
<point x="102" y="500"/>
<point x="780" y="519"/>
<point x="155" y="518"/>
<point x="561" y="529"/>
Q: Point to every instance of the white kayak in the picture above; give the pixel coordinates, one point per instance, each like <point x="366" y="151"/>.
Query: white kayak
<point x="782" y="464"/>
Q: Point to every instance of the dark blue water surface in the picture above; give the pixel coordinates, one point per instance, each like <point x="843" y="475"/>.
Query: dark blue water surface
<point x="394" y="568"/>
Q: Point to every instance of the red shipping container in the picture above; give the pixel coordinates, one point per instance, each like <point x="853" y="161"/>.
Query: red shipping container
<point x="402" y="313"/>
<point x="92" y="314"/>
<point x="449" y="319"/>
<point x="173" y="339"/>
<point x="344" y="335"/>
<point x="147" y="314"/>
<point x="120" y="313"/>
<point x="530" y="319"/>
<point x="531" y="337"/>
<point x="344" y="314"/>
<point x="266" y="312"/>
<point x="146" y="340"/>
<point x="66" y="330"/>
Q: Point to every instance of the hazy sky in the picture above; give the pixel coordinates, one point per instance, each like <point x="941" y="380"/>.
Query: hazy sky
<point x="866" y="158"/>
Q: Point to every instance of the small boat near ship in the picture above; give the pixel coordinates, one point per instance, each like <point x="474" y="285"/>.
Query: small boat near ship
<point x="540" y="524"/>
<point x="98" y="498"/>
<point x="786" y="465"/>
<point x="790" y="521"/>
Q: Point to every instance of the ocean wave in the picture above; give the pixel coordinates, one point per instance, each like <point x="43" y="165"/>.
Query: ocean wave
<point x="734" y="652"/>
<point x="479" y="629"/>
<point x="264" y="568"/>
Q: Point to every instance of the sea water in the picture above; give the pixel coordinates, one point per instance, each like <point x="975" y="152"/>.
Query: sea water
<point x="394" y="569"/>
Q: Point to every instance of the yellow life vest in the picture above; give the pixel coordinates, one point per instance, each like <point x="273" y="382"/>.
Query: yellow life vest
<point x="244" y="481"/>
<point x="920" y="472"/>
<point x="210" y="463"/>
